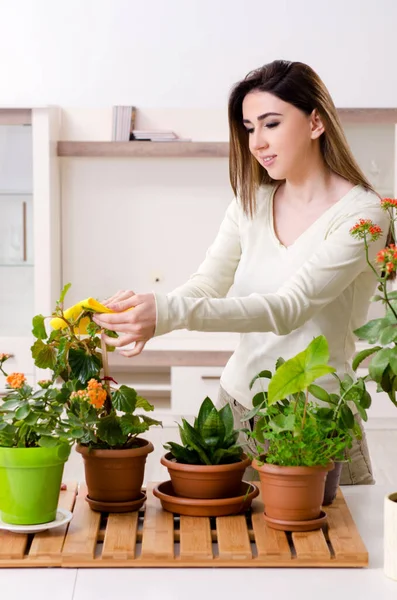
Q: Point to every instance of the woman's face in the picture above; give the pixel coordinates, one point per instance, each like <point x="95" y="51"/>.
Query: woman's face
<point x="280" y="135"/>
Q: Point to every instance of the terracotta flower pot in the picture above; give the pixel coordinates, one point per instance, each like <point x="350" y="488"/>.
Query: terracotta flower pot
<point x="332" y="483"/>
<point x="206" y="481"/>
<point x="292" y="494"/>
<point x="115" y="475"/>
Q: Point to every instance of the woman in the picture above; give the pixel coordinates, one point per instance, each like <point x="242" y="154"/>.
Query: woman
<point x="284" y="243"/>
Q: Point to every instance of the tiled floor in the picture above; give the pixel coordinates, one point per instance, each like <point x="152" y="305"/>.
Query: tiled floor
<point x="365" y="502"/>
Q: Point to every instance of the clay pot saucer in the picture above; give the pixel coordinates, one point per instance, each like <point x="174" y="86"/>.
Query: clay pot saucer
<point x="297" y="525"/>
<point x="117" y="507"/>
<point x="196" y="507"/>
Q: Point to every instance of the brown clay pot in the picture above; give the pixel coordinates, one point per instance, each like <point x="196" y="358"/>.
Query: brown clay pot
<point x="292" y="493"/>
<point x="115" y="475"/>
<point x="205" y="481"/>
<point x="332" y="483"/>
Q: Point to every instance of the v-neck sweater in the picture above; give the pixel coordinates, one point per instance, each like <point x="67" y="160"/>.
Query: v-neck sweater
<point x="280" y="297"/>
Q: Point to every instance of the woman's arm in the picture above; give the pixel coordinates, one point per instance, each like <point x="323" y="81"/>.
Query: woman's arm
<point x="215" y="275"/>
<point x="339" y="259"/>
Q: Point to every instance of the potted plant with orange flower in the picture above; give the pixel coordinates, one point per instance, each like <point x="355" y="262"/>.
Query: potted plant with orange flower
<point x="105" y="419"/>
<point x="381" y="335"/>
<point x="35" y="443"/>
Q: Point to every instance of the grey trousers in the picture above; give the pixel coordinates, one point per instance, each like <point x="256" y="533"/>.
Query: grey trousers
<point x="356" y="470"/>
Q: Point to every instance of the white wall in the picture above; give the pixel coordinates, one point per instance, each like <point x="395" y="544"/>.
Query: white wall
<point x="188" y="53"/>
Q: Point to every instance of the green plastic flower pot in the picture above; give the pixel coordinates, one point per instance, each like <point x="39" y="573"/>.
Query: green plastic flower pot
<point x="30" y="481"/>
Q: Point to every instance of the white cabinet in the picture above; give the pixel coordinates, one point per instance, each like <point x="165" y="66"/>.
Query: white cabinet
<point x="30" y="266"/>
<point x="189" y="387"/>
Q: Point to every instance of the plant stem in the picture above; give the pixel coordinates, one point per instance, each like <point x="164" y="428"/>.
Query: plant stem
<point x="305" y="408"/>
<point x="382" y="282"/>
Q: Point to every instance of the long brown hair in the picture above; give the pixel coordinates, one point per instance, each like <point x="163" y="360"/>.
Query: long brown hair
<point x="297" y="84"/>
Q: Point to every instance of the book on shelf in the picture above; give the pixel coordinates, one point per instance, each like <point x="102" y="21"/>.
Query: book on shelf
<point x="124" y="129"/>
<point x="140" y="135"/>
<point x="123" y="123"/>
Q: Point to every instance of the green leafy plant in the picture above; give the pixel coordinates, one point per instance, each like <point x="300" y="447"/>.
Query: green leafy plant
<point x="69" y="354"/>
<point x="102" y="416"/>
<point x="383" y="331"/>
<point x="296" y="431"/>
<point x="99" y="415"/>
<point x="212" y="440"/>
<point x="28" y="418"/>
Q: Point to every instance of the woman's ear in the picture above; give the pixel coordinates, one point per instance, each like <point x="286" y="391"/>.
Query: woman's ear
<point x="316" y="124"/>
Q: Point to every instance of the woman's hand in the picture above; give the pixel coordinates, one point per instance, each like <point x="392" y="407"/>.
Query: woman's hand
<point x="138" y="324"/>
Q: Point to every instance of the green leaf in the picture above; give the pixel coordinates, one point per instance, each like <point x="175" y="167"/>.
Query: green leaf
<point x="84" y="366"/>
<point x="64" y="292"/>
<point x="143" y="403"/>
<point x="224" y="456"/>
<point x="226" y="416"/>
<point x="77" y="433"/>
<point x="195" y="441"/>
<point x="32" y="419"/>
<point x="213" y="430"/>
<point x="47" y="441"/>
<point x="319" y="392"/>
<point x="205" y="409"/>
<point x="149" y="421"/>
<point x="183" y="455"/>
<point x="379" y="363"/>
<point x="259" y="399"/>
<point x="132" y="425"/>
<point x="264" y="374"/>
<point x="393" y="360"/>
<point x="360" y="356"/>
<point x="334" y="399"/>
<point x="280" y="361"/>
<point x="371" y="330"/>
<point x="22" y="411"/>
<point x="354" y="394"/>
<point x="44" y="355"/>
<point x="388" y="334"/>
<point x="9" y="405"/>
<point x="124" y="399"/>
<point x="109" y="430"/>
<point x="366" y="400"/>
<point x="297" y="373"/>
<point x="326" y="414"/>
<point x="38" y="330"/>
<point x="362" y="412"/>
<point x="347" y="416"/>
<point x="282" y="423"/>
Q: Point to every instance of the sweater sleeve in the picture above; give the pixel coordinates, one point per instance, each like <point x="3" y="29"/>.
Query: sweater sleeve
<point x="215" y="275"/>
<point x="338" y="260"/>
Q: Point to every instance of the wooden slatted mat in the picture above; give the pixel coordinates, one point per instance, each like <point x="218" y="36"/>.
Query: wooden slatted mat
<point x="152" y="537"/>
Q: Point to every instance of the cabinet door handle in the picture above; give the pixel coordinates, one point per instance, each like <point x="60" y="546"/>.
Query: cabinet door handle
<point x="210" y="376"/>
<point x="24" y="249"/>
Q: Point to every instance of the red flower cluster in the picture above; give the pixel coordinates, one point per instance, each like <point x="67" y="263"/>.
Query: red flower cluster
<point x="366" y="228"/>
<point x="387" y="258"/>
<point x="388" y="203"/>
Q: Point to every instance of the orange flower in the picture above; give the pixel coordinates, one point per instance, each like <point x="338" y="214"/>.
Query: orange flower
<point x="4" y="356"/>
<point x="364" y="228"/>
<point x="388" y="203"/>
<point x="16" y="380"/>
<point x="387" y="258"/>
<point x="96" y="393"/>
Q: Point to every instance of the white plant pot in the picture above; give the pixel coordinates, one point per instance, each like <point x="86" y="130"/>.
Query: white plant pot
<point x="390" y="536"/>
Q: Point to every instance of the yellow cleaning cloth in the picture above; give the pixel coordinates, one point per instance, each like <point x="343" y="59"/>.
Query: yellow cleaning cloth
<point x="74" y="311"/>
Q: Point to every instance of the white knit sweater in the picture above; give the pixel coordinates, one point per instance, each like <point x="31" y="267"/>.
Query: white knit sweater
<point x="281" y="297"/>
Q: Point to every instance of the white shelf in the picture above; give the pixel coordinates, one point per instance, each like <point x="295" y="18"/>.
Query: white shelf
<point x="15" y="193"/>
<point x="18" y="265"/>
